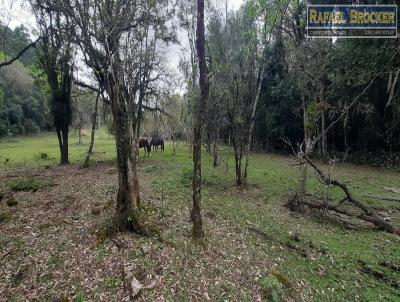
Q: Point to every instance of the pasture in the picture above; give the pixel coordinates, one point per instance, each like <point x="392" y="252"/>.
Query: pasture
<point x="56" y="244"/>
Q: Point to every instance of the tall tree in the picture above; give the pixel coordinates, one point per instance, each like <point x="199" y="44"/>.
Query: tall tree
<point x="55" y="57"/>
<point x="105" y="31"/>
<point x="197" y="129"/>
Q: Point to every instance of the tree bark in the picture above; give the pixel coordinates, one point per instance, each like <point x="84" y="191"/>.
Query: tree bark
<point x="238" y="162"/>
<point x="62" y="135"/>
<point x="197" y="131"/>
<point x="215" y="154"/>
<point x="64" y="151"/>
<point x="128" y="201"/>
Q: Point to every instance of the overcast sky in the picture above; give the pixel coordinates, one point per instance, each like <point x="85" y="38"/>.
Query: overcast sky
<point x="17" y="12"/>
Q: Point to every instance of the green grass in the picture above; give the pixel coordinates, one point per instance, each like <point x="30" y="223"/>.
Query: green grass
<point x="27" y="151"/>
<point x="331" y="275"/>
<point x="330" y="272"/>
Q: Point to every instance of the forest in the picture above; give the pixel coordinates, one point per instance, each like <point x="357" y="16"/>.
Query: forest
<point x="196" y="151"/>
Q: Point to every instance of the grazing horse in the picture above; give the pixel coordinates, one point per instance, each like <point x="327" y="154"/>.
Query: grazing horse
<point x="144" y="142"/>
<point x="157" y="141"/>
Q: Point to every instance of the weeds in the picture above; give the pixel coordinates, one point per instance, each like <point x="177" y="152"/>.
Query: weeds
<point x="27" y="184"/>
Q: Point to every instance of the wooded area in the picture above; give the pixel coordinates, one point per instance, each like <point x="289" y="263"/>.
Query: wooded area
<point x="251" y="95"/>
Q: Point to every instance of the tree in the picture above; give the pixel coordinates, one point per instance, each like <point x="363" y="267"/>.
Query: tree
<point x="197" y="129"/>
<point x="105" y="31"/>
<point x="55" y="58"/>
<point x="94" y="118"/>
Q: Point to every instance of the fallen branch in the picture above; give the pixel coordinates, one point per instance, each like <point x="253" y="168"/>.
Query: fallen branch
<point x="382" y="197"/>
<point x="393" y="190"/>
<point x="367" y="269"/>
<point x="369" y="215"/>
<point x="393" y="267"/>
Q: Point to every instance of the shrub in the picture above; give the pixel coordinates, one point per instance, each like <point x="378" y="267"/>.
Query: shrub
<point x="27" y="184"/>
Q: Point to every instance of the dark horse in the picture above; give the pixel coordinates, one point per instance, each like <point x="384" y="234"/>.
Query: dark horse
<point x="157" y="141"/>
<point x="144" y="142"/>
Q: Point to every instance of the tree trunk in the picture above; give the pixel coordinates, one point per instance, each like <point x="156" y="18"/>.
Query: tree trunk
<point x="99" y="117"/>
<point x="345" y="120"/>
<point x="79" y="135"/>
<point x="238" y="163"/>
<point x="197" y="131"/>
<point x="296" y="203"/>
<point x="62" y="135"/>
<point x="64" y="152"/>
<point x="208" y="142"/>
<point x="196" y="209"/>
<point x="94" y="117"/>
<point x="324" y="141"/>
<point x="173" y="145"/>
<point x="128" y="200"/>
<point x="215" y="154"/>
<point x="215" y="147"/>
<point x="252" y="120"/>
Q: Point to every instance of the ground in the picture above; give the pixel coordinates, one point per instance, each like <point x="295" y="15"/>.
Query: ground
<point x="55" y="243"/>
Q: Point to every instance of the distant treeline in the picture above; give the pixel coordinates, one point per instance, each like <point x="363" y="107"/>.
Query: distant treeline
<point x="23" y="108"/>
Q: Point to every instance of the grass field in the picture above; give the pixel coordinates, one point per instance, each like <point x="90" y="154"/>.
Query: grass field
<point x="255" y="245"/>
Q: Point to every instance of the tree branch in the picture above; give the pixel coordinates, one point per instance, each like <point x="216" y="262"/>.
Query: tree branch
<point x="26" y="48"/>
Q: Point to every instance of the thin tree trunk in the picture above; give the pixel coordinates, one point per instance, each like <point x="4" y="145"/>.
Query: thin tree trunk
<point x="323" y="138"/>
<point x="238" y="163"/>
<point x="252" y="121"/>
<point x="99" y="118"/>
<point x="79" y="135"/>
<point x="173" y="145"/>
<point x="197" y="131"/>
<point x="208" y="142"/>
<point x="62" y="135"/>
<point x="296" y="204"/>
<point x="94" y="117"/>
<point x="215" y="154"/>
<point x="215" y="148"/>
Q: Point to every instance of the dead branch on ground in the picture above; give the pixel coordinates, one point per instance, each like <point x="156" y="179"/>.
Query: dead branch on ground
<point x="367" y="214"/>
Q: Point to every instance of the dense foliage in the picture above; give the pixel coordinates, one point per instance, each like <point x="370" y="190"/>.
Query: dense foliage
<point x="343" y="92"/>
<point x="22" y="103"/>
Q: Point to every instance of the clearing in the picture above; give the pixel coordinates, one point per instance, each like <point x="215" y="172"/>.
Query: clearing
<point x="55" y="244"/>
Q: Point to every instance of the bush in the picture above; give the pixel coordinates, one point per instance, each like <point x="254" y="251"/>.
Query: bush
<point x="186" y="177"/>
<point x="27" y="184"/>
